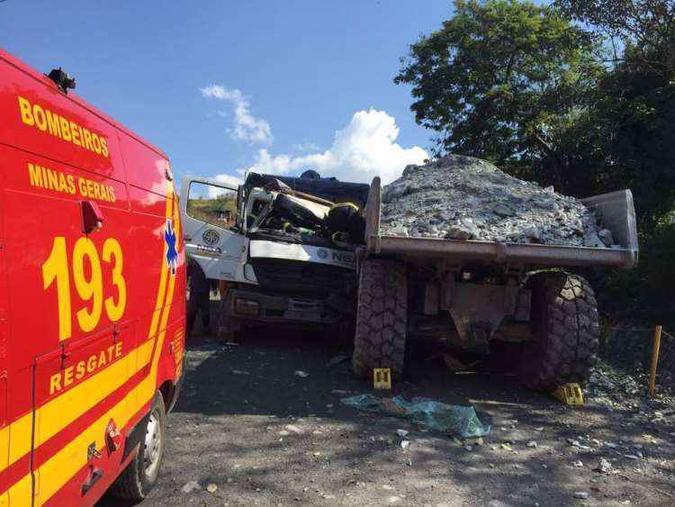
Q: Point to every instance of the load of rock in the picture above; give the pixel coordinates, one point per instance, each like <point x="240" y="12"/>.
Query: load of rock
<point x="458" y="197"/>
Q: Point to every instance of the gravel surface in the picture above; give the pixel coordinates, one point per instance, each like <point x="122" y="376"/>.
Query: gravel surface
<point x="460" y="197"/>
<point x="261" y="423"/>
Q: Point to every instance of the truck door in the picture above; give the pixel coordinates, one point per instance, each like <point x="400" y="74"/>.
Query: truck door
<point x="212" y="231"/>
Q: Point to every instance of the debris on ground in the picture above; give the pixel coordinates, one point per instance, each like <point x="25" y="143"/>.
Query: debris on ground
<point x="301" y="374"/>
<point x="451" y="419"/>
<point x="359" y="451"/>
<point x="211" y="488"/>
<point x="459" y="197"/>
<point x="191" y="486"/>
<point x="615" y="389"/>
<point x="604" y="466"/>
<point x="294" y="429"/>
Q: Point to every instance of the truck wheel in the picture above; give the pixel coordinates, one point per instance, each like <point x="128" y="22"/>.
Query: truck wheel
<point x="381" y="318"/>
<point x="229" y="328"/>
<point x="140" y="476"/>
<point x="566" y="332"/>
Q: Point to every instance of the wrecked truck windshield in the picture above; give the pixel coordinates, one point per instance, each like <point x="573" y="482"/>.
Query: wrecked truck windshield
<point x="212" y="204"/>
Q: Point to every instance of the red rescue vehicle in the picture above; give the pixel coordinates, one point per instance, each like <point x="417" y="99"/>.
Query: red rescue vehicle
<point x="92" y="307"/>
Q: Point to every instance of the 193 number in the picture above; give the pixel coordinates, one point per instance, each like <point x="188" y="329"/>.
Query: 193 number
<point x="88" y="282"/>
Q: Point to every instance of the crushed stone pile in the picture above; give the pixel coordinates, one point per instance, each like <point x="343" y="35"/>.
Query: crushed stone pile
<point x="459" y="197"/>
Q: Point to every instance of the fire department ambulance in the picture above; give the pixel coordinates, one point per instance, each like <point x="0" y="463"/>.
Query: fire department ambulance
<point x="92" y="308"/>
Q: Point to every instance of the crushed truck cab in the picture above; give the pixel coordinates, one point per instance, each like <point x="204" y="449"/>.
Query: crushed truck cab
<point x="92" y="309"/>
<point x="274" y="245"/>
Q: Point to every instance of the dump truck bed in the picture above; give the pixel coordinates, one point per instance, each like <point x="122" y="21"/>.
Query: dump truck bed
<point x="615" y="209"/>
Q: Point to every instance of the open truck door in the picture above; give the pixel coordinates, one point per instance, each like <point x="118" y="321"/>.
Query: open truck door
<point x="212" y="227"/>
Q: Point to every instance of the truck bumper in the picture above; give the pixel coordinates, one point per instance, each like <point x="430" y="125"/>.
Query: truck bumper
<point x="253" y="305"/>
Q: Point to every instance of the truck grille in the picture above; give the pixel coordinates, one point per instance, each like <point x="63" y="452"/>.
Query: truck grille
<point x="303" y="277"/>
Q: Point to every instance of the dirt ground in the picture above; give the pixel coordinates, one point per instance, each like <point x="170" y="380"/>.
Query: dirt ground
<point x="249" y="430"/>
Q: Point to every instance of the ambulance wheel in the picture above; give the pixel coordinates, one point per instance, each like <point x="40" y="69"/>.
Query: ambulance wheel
<point x="141" y="475"/>
<point x="381" y="318"/>
<point x="566" y="332"/>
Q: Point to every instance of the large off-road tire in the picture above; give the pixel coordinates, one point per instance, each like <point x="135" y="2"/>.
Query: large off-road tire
<point x="381" y="318"/>
<point x="141" y="474"/>
<point x="566" y="331"/>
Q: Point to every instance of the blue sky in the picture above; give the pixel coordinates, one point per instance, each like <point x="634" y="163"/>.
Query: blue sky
<point x="223" y="86"/>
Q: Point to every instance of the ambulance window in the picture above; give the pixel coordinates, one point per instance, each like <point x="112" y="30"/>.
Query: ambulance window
<point x="213" y="204"/>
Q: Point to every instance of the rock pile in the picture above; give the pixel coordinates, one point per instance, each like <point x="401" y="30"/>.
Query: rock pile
<point x="460" y="197"/>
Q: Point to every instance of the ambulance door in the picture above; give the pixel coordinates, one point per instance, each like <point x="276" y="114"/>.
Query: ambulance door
<point x="212" y="231"/>
<point x="68" y="300"/>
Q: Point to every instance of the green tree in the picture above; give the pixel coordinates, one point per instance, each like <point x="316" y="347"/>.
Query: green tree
<point x="628" y="140"/>
<point x="641" y="32"/>
<point x="501" y="80"/>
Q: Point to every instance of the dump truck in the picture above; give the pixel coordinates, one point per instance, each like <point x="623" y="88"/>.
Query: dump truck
<point x="477" y="293"/>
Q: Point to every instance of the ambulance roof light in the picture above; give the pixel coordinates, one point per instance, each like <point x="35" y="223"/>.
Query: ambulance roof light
<point x="62" y="79"/>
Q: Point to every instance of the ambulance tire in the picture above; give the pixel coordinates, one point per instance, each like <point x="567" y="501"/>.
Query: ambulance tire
<point x="566" y="329"/>
<point x="381" y="318"/>
<point x="141" y="474"/>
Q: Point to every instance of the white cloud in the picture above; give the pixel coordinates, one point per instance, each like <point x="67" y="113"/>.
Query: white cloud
<point x="228" y="180"/>
<point x="364" y="148"/>
<point x="306" y="146"/>
<point x="246" y="126"/>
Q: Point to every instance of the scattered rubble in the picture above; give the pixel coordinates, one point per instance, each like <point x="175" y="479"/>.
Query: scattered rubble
<point x="464" y="198"/>
<point x="294" y="429"/>
<point x="604" y="466"/>
<point x="191" y="486"/>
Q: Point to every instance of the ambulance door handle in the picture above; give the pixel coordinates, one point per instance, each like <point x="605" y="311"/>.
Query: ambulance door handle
<point x="92" y="217"/>
<point x="64" y="355"/>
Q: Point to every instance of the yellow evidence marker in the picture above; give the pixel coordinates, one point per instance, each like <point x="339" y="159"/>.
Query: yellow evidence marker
<point x="570" y="394"/>
<point x="382" y="378"/>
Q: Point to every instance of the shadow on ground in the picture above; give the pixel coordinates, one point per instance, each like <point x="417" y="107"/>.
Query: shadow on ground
<point x="261" y="421"/>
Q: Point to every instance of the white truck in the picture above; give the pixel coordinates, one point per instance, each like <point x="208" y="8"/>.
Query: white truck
<point x="266" y="241"/>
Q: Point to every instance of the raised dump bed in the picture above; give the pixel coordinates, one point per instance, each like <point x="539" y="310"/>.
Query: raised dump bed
<point x="615" y="210"/>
